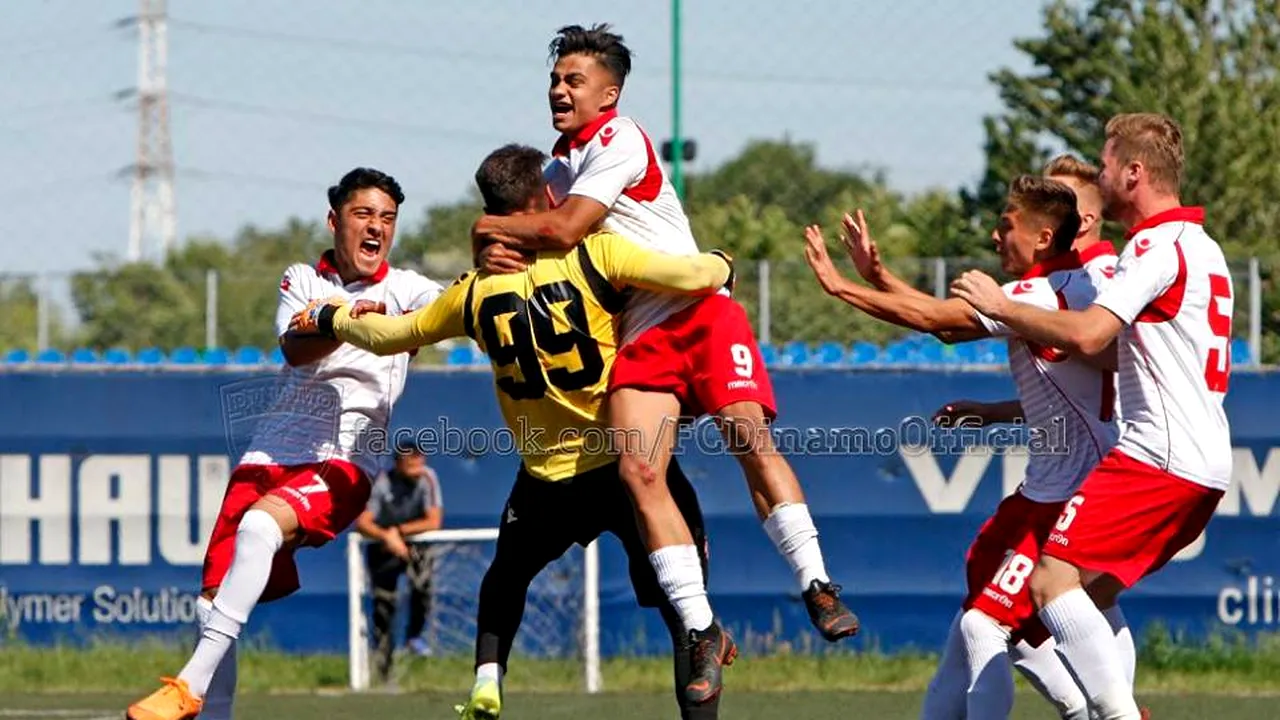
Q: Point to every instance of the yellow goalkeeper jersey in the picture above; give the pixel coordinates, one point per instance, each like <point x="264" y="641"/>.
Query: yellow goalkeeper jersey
<point x="551" y="335"/>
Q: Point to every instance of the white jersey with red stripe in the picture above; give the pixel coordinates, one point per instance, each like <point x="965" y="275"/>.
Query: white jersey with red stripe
<point x="332" y="408"/>
<point x="612" y="161"/>
<point x="1173" y="291"/>
<point x="1067" y="403"/>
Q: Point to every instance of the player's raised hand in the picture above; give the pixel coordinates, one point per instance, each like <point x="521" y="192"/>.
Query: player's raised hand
<point x="861" y="246"/>
<point x="979" y="290"/>
<point x="815" y="253"/>
<point x="498" y="259"/>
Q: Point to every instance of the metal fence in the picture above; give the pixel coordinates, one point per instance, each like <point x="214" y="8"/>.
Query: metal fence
<point x="168" y="310"/>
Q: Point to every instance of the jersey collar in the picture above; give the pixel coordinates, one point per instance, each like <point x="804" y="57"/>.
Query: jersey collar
<point x="328" y="266"/>
<point x="583" y="136"/>
<point x="1069" y="260"/>
<point x="1102" y="248"/>
<point x="1178" y="214"/>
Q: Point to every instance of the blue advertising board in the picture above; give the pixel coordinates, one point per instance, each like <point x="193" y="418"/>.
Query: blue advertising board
<point x="109" y="483"/>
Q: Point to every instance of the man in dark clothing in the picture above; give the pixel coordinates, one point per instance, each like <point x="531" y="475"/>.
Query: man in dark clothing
<point x="404" y="501"/>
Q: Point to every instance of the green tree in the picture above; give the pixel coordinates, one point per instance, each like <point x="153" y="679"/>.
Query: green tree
<point x="1211" y="65"/>
<point x="138" y="305"/>
<point x="20" y="307"/>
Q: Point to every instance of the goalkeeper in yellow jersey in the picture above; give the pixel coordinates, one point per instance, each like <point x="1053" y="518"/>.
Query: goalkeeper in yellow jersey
<point x="551" y="335"/>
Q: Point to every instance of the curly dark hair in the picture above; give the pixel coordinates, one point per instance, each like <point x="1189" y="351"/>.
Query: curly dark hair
<point x="599" y="42"/>
<point x="360" y="179"/>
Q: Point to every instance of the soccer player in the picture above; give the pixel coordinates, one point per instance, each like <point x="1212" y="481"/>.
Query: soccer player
<point x="305" y="476"/>
<point x="1169" y="307"/>
<point x="1059" y="395"/>
<point x="678" y="353"/>
<point x="550" y="332"/>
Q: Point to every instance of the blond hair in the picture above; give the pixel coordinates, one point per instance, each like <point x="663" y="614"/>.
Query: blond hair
<point x="1072" y="167"/>
<point x="1153" y="140"/>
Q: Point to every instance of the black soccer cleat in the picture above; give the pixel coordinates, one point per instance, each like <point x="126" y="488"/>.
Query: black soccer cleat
<point x="828" y="612"/>
<point x="711" y="649"/>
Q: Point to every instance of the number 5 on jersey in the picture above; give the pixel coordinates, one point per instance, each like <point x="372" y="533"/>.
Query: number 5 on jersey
<point x="1217" y="368"/>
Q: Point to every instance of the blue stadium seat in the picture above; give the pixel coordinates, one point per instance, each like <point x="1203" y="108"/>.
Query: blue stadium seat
<point x="84" y="356"/>
<point x="184" y="356"/>
<point x="897" y="353"/>
<point x="931" y="351"/>
<point x="863" y="352"/>
<point x="151" y="356"/>
<point x="277" y="356"/>
<point x="769" y="353"/>
<point x="117" y="356"/>
<point x="1240" y="354"/>
<point x="460" y="355"/>
<point x="17" y="356"/>
<point x="216" y="356"/>
<point x="795" y="353"/>
<point x="51" y="356"/>
<point x="249" y="355"/>
<point x="829" y="353"/>
<point x="968" y="352"/>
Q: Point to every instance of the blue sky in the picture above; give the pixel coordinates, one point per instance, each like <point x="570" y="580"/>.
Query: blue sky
<point x="274" y="100"/>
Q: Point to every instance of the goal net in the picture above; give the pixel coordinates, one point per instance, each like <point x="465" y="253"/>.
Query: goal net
<point x="561" y="617"/>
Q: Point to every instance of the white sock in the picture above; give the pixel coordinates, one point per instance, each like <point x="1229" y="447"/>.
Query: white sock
<point x="1044" y="670"/>
<point x="986" y="648"/>
<point x="791" y="529"/>
<point x="680" y="575"/>
<point x="220" y="697"/>
<point x="1124" y="641"/>
<point x="945" y="698"/>
<point x="257" y="540"/>
<point x="1088" y="647"/>
<point x="489" y="671"/>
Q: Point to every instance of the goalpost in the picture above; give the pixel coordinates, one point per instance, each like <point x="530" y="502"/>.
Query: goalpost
<point x="562" y="613"/>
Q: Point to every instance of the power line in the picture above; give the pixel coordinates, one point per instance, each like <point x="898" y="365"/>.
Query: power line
<point x="329" y="118"/>
<point x="341" y="44"/>
<point x="250" y="179"/>
<point x="802" y="79"/>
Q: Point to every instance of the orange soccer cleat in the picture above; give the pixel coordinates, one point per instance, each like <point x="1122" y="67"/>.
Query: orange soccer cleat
<point x="174" y="701"/>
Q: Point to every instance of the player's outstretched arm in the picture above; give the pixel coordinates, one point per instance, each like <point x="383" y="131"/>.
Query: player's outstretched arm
<point x="1079" y="332"/>
<point x="559" y="229"/>
<point x="383" y="335"/>
<point x="950" y="319"/>
<point x="626" y="263"/>
<point x="865" y="254"/>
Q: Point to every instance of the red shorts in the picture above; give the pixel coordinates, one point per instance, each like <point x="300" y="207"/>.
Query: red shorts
<point x="327" y="498"/>
<point x="705" y="355"/>
<point x="1000" y="561"/>
<point x="1129" y="518"/>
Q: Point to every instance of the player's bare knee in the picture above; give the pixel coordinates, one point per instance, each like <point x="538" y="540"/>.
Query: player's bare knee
<point x="1051" y="578"/>
<point x="280" y="511"/>
<point x="640" y="477"/>
<point x="745" y="430"/>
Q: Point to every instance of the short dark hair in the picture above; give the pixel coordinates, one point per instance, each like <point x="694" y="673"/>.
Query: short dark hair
<point x="1050" y="200"/>
<point x="510" y="177"/>
<point x="360" y="179"/>
<point x="605" y="46"/>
